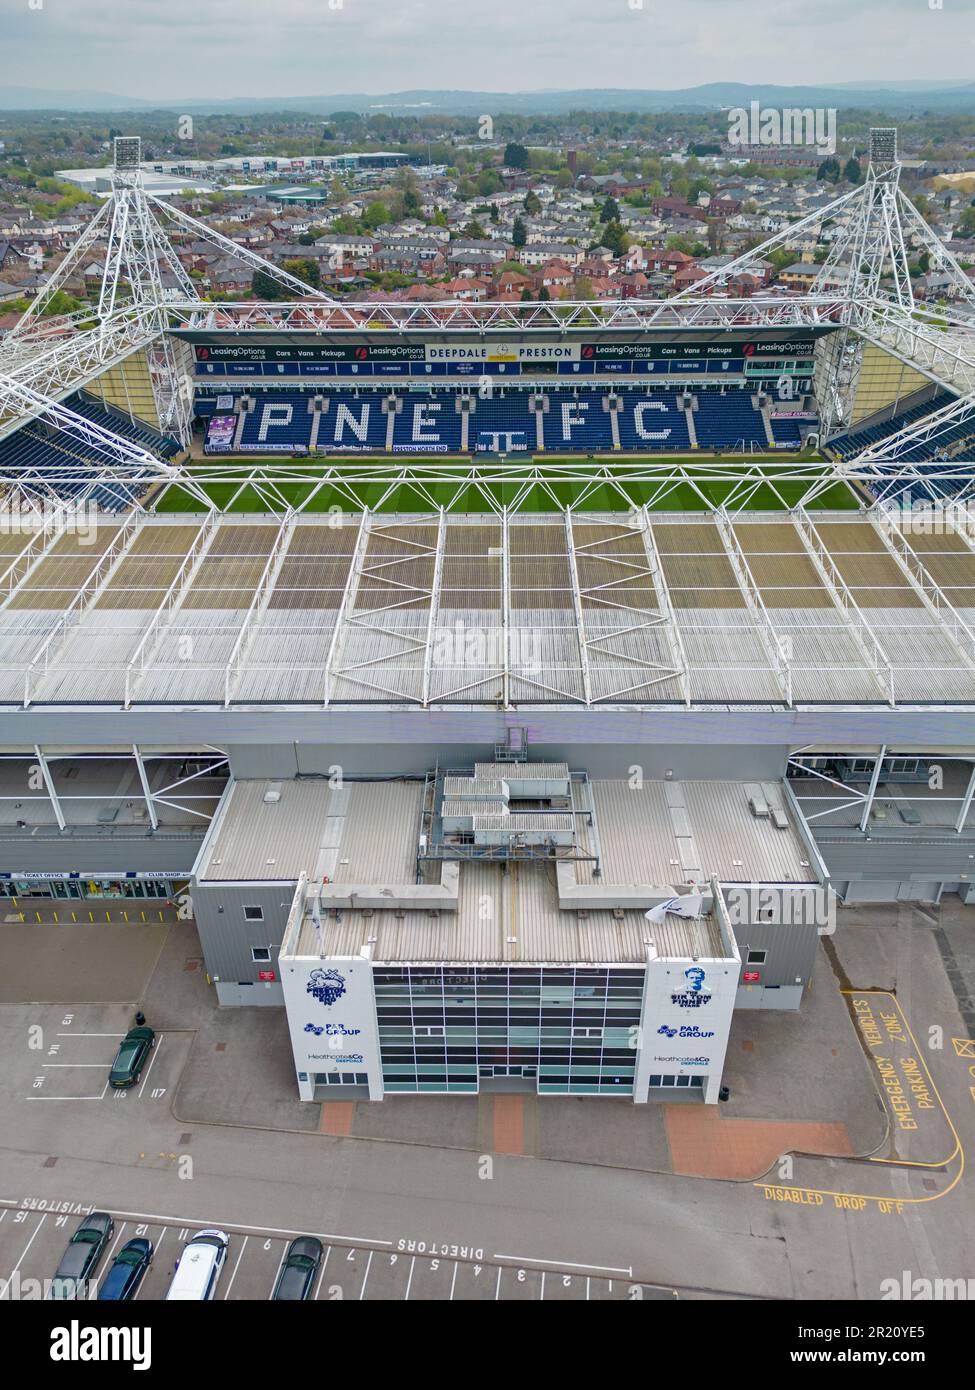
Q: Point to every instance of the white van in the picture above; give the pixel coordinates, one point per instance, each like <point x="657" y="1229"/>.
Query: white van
<point x="199" y="1267"/>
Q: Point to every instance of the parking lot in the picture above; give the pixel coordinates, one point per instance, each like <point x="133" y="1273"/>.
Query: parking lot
<point x="32" y="1242"/>
<point x="69" y="1054"/>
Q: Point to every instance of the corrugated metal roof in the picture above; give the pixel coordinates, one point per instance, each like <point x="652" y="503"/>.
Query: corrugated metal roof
<point x="513" y="918"/>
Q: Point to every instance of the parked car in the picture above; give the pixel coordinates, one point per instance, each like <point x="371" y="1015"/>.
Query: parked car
<point x="296" y="1277"/>
<point x="199" y="1266"/>
<point x="127" y="1271"/>
<point x="131" y="1057"/>
<point x="83" y="1253"/>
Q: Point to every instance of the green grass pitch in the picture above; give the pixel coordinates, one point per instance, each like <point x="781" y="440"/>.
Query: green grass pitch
<point x="275" y="495"/>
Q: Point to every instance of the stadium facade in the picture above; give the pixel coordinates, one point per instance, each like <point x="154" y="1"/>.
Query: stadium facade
<point x="687" y="590"/>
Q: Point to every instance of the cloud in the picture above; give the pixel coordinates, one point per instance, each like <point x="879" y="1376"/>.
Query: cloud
<point x="171" y="49"/>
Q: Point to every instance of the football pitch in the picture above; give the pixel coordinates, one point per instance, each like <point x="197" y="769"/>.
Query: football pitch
<point x="284" y="483"/>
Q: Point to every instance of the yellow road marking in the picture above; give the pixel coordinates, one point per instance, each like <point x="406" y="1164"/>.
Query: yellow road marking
<point x="892" y="1202"/>
<point x="964" y="1047"/>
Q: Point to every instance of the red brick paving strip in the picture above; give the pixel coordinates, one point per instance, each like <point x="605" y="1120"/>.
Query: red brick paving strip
<point x="509" y="1124"/>
<point x="336" y="1117"/>
<point x="704" y="1144"/>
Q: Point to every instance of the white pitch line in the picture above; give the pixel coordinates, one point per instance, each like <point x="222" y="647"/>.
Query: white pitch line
<point x="564" y="1264"/>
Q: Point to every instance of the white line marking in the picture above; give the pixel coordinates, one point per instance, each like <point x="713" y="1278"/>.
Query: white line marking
<point x="101" y="1097"/>
<point x="541" y="1291"/>
<point x="99" y="1065"/>
<point x="233" y="1276"/>
<point x="89" y="1035"/>
<point x="277" y="1273"/>
<point x="362" y="1291"/>
<point x="409" y="1282"/>
<point x="152" y="1063"/>
<point x="6" y="1282"/>
<point x="452" y="1283"/>
<point x="564" y="1264"/>
<point x="179" y="1222"/>
<point x="328" y="1251"/>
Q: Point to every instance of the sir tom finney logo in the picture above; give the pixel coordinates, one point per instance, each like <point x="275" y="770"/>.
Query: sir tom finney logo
<point x="326" y="986"/>
<point x="694" y="995"/>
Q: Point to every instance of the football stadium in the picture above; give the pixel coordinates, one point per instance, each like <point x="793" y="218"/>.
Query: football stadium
<point x="430" y="647"/>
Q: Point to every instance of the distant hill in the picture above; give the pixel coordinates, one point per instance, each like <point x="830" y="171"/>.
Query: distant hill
<point x="938" y="96"/>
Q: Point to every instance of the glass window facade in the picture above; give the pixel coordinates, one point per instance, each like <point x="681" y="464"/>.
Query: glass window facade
<point x="570" y="1029"/>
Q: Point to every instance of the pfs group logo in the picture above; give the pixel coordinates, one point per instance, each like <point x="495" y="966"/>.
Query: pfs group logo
<point x="694" y="995"/>
<point x="326" y="986"/>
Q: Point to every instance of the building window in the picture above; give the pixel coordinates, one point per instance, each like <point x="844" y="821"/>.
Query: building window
<point x="757" y="957"/>
<point x="429" y="1032"/>
<point x="587" y="1032"/>
<point x="253" y="914"/>
<point x="260" y="953"/>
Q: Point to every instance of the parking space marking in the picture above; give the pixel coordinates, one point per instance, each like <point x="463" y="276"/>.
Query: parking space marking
<point x="563" y="1264"/>
<point x="233" y="1276"/>
<point x="256" y="1257"/>
<point x="277" y="1272"/>
<point x="362" y="1291"/>
<point x="23" y="1255"/>
<point x="152" y="1062"/>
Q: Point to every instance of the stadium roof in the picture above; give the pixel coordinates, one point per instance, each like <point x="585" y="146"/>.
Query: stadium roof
<point x="673" y="609"/>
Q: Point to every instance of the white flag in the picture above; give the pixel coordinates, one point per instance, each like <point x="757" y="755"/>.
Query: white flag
<point x="687" y="906"/>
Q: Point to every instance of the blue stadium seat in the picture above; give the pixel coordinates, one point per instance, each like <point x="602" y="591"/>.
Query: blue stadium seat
<point x="652" y="420"/>
<point x="575" y="422"/>
<point x="728" y="420"/>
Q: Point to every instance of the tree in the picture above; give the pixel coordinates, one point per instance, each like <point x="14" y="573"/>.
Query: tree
<point x="519" y="232"/>
<point x="474" y="231"/>
<point x="488" y="183"/>
<point x="610" y="211"/>
<point x="375" y="215"/>
<point x="407" y="183"/>
<point x="966" y="224"/>
<point x="265" y="287"/>
<point x="516" y="156"/>
<point x="526" y="295"/>
<point x="533" y="203"/>
<point x="615" y="237"/>
<point x="829" y="171"/>
<point x="852" y="171"/>
<point x="543" y="295"/>
<point x="303" y="269"/>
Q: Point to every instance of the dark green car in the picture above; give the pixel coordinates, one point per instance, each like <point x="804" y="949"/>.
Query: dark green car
<point x="131" y="1057"/>
<point x="80" y="1259"/>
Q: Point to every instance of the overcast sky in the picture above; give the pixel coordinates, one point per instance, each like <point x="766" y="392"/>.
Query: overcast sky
<point x="168" y="49"/>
